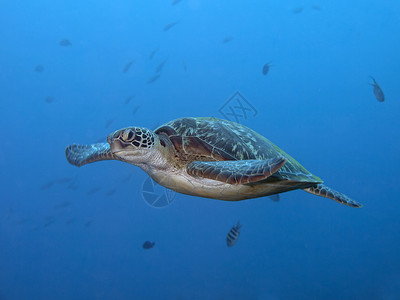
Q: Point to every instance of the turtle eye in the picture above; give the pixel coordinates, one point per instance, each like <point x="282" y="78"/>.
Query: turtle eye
<point x="127" y="135"/>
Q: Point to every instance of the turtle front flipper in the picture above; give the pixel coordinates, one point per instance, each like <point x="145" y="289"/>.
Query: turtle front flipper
<point x="79" y="155"/>
<point x="324" y="191"/>
<point x="236" y="171"/>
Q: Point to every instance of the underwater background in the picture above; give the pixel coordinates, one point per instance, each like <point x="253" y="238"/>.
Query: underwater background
<point x="75" y="71"/>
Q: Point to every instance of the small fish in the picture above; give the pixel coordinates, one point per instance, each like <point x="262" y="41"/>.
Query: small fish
<point x="153" y="53"/>
<point x="153" y="78"/>
<point x="49" y="99"/>
<point x="109" y="122"/>
<point x="70" y="221"/>
<point x="227" y="39"/>
<point x="65" y="43"/>
<point x="297" y="10"/>
<point x="111" y="192"/>
<point x="148" y="245"/>
<point x="174" y="2"/>
<point x="128" y="66"/>
<point x="127" y="178"/>
<point x="316" y="7"/>
<point x="377" y="90"/>
<point x="233" y="235"/>
<point x="39" y="69"/>
<point x="10" y="213"/>
<point x="72" y="187"/>
<point x="266" y="68"/>
<point x="170" y="25"/>
<point x="63" y="204"/>
<point x="127" y="100"/>
<point x="275" y="198"/>
<point x="161" y="66"/>
<point x="47" y="185"/>
<point x="22" y="221"/>
<point x="184" y="65"/>
<point x="48" y="223"/>
<point x="88" y="223"/>
<point x="135" y="109"/>
<point x="63" y="180"/>
<point x="93" y="190"/>
<point x="49" y="220"/>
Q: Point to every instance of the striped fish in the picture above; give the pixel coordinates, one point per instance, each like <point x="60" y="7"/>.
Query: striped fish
<point x="377" y="90"/>
<point x="233" y="235"/>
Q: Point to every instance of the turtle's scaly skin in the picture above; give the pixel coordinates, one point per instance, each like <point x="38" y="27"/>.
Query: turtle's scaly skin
<point x="208" y="157"/>
<point x="79" y="155"/>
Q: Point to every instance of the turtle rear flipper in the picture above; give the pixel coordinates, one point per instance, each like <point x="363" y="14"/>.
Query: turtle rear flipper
<point x="324" y="191"/>
<point x="79" y="155"/>
<point x="236" y="171"/>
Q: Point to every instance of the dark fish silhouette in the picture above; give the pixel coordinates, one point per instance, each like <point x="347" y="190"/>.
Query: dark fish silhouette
<point x="161" y="66"/>
<point x="127" y="178"/>
<point x="22" y="221"/>
<point x="153" y="53"/>
<point x="111" y="192"/>
<point x="63" y="180"/>
<point x="233" y="235"/>
<point x="148" y="245"/>
<point x="174" y="2"/>
<point x="128" y="66"/>
<point x="93" y="190"/>
<point x="65" y="43"/>
<point x="47" y="185"/>
<point x="377" y="90"/>
<point x="153" y="78"/>
<point x="227" y="39"/>
<point x="10" y="213"/>
<point x="135" y="109"/>
<point x="70" y="221"/>
<point x="297" y="10"/>
<point x="266" y="68"/>
<point x="63" y="204"/>
<point x="127" y="100"/>
<point x="49" y="99"/>
<point x="109" y="122"/>
<point x="184" y="65"/>
<point x="72" y="186"/>
<point x="275" y="198"/>
<point x="316" y="7"/>
<point x="39" y="69"/>
<point x="48" y="223"/>
<point x="170" y="25"/>
<point x="49" y="220"/>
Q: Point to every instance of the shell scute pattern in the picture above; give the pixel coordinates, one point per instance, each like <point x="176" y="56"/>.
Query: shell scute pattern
<point x="218" y="139"/>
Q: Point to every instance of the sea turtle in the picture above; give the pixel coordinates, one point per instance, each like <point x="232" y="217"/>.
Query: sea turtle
<point x="207" y="157"/>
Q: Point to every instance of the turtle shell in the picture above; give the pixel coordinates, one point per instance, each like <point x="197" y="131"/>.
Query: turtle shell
<point x="215" y="139"/>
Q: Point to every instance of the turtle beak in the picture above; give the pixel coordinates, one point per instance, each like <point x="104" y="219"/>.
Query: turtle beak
<point x="116" y="145"/>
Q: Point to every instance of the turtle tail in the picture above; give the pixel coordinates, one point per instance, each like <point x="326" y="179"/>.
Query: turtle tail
<point x="79" y="155"/>
<point x="324" y="191"/>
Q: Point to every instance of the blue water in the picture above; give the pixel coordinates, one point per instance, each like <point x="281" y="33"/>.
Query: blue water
<point x="81" y="237"/>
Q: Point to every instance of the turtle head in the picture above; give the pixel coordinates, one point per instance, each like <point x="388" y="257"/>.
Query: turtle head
<point x="132" y="144"/>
